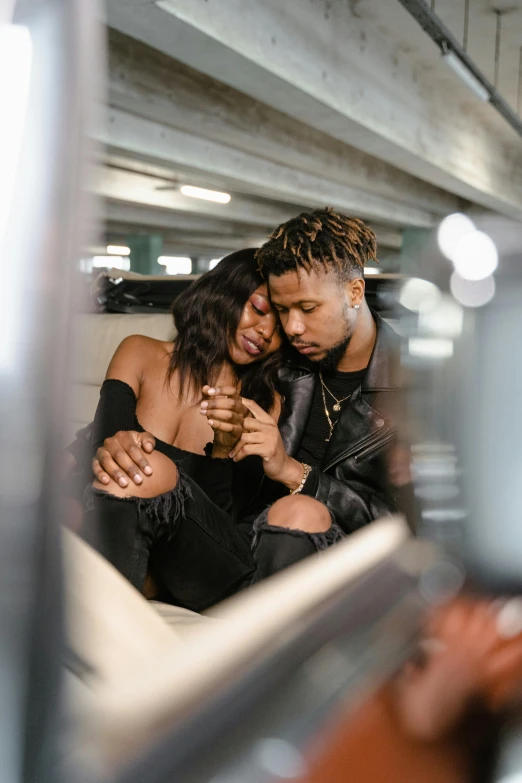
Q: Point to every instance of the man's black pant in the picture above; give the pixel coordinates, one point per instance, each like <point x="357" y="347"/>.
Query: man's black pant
<point x="196" y="551"/>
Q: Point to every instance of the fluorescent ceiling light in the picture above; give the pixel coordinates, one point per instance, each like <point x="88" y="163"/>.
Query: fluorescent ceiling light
<point x="213" y="264"/>
<point x="465" y="75"/>
<point x="206" y="195"/>
<point x="370" y="270"/>
<point x="176" y="265"/>
<point x="118" y="250"/>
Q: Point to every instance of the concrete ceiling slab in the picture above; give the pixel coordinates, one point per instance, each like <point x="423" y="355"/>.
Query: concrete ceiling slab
<point x="167" y="114"/>
<point x="332" y="66"/>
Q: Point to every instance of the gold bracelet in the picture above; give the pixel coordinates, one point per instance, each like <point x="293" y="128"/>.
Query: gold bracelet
<point x="306" y="473"/>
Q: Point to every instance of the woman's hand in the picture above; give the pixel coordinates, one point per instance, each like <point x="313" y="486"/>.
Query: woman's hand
<point x="469" y="656"/>
<point x="123" y="456"/>
<point x="224" y="409"/>
<point x="261" y="437"/>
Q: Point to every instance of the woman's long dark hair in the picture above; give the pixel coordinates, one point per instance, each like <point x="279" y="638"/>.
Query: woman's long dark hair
<point x="206" y="317"/>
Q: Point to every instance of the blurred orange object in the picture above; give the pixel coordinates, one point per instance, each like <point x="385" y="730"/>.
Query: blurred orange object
<point x="436" y="721"/>
<point x="371" y="746"/>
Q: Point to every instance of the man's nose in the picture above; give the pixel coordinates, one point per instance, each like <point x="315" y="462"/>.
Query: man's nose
<point x="294" y="326"/>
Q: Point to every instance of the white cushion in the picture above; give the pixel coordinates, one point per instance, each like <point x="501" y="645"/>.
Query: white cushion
<point x="98" y="336"/>
<point x="109" y="624"/>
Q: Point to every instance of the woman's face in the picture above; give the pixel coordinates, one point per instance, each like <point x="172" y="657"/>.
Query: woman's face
<point x="257" y="334"/>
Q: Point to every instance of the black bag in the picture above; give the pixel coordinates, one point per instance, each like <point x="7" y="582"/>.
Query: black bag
<point x="138" y="294"/>
<point x="125" y="292"/>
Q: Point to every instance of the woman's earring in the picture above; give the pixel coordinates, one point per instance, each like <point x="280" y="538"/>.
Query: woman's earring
<point x="356" y="307"/>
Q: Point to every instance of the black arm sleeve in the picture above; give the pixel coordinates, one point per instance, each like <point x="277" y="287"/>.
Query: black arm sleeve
<point x="116" y="411"/>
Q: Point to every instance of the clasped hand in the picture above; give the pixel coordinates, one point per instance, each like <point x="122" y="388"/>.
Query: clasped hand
<point x="253" y="432"/>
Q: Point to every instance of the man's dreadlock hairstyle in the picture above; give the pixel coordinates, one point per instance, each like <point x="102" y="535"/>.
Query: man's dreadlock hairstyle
<point x="322" y="240"/>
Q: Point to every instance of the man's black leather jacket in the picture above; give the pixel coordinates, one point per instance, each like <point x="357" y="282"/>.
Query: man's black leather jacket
<point x="353" y="480"/>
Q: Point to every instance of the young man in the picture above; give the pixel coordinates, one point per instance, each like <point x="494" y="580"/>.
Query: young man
<point x="339" y="398"/>
<point x="340" y="389"/>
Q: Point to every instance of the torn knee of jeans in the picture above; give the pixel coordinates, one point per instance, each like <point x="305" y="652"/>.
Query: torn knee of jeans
<point x="162" y="511"/>
<point x="320" y="540"/>
<point x="165" y="510"/>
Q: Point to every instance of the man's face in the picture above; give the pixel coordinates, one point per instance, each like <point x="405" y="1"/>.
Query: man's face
<point x="315" y="311"/>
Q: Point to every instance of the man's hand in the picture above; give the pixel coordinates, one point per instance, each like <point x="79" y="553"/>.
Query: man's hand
<point x="224" y="409"/>
<point x="123" y="456"/>
<point x="261" y="437"/>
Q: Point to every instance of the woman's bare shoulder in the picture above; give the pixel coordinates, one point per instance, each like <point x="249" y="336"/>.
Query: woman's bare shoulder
<point x="143" y="348"/>
<point x="136" y="355"/>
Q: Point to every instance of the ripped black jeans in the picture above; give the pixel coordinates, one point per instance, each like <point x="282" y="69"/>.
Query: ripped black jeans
<point x="196" y="551"/>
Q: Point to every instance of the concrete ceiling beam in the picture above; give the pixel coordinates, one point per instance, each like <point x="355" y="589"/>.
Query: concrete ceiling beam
<point x="170" y="220"/>
<point x="124" y="217"/>
<point x="229" y="134"/>
<point x="129" y="187"/>
<point x="327" y="67"/>
<point x="134" y="135"/>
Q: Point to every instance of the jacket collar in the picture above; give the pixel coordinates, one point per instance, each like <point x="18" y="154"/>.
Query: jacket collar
<point x="383" y="367"/>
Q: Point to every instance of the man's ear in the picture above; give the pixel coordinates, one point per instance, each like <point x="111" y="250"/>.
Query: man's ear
<point x="355" y="290"/>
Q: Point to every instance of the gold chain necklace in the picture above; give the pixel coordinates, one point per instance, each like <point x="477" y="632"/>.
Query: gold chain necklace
<point x="336" y="407"/>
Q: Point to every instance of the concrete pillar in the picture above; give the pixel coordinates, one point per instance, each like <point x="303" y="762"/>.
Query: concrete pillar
<point x="145" y="251"/>
<point x="390" y="260"/>
<point x="200" y="265"/>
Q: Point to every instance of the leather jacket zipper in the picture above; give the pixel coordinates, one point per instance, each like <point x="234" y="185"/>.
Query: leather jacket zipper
<point x="371" y="444"/>
<point x="383" y="440"/>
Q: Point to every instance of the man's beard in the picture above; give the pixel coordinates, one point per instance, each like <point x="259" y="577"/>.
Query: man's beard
<point x="335" y="354"/>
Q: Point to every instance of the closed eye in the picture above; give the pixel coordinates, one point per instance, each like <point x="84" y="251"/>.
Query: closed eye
<point x="310" y="310"/>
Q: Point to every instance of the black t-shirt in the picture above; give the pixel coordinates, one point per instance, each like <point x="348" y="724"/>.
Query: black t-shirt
<point x="315" y="441"/>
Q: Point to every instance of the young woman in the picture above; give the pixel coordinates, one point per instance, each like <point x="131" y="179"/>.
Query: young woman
<point x="227" y="336"/>
<point x="227" y="345"/>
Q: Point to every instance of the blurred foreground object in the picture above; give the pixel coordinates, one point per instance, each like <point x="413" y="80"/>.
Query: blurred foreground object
<point x="257" y="690"/>
<point x="47" y="50"/>
<point x="461" y="344"/>
<point x="492" y="437"/>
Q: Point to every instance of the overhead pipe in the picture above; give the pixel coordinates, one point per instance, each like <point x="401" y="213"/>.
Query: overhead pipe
<point x="446" y="41"/>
